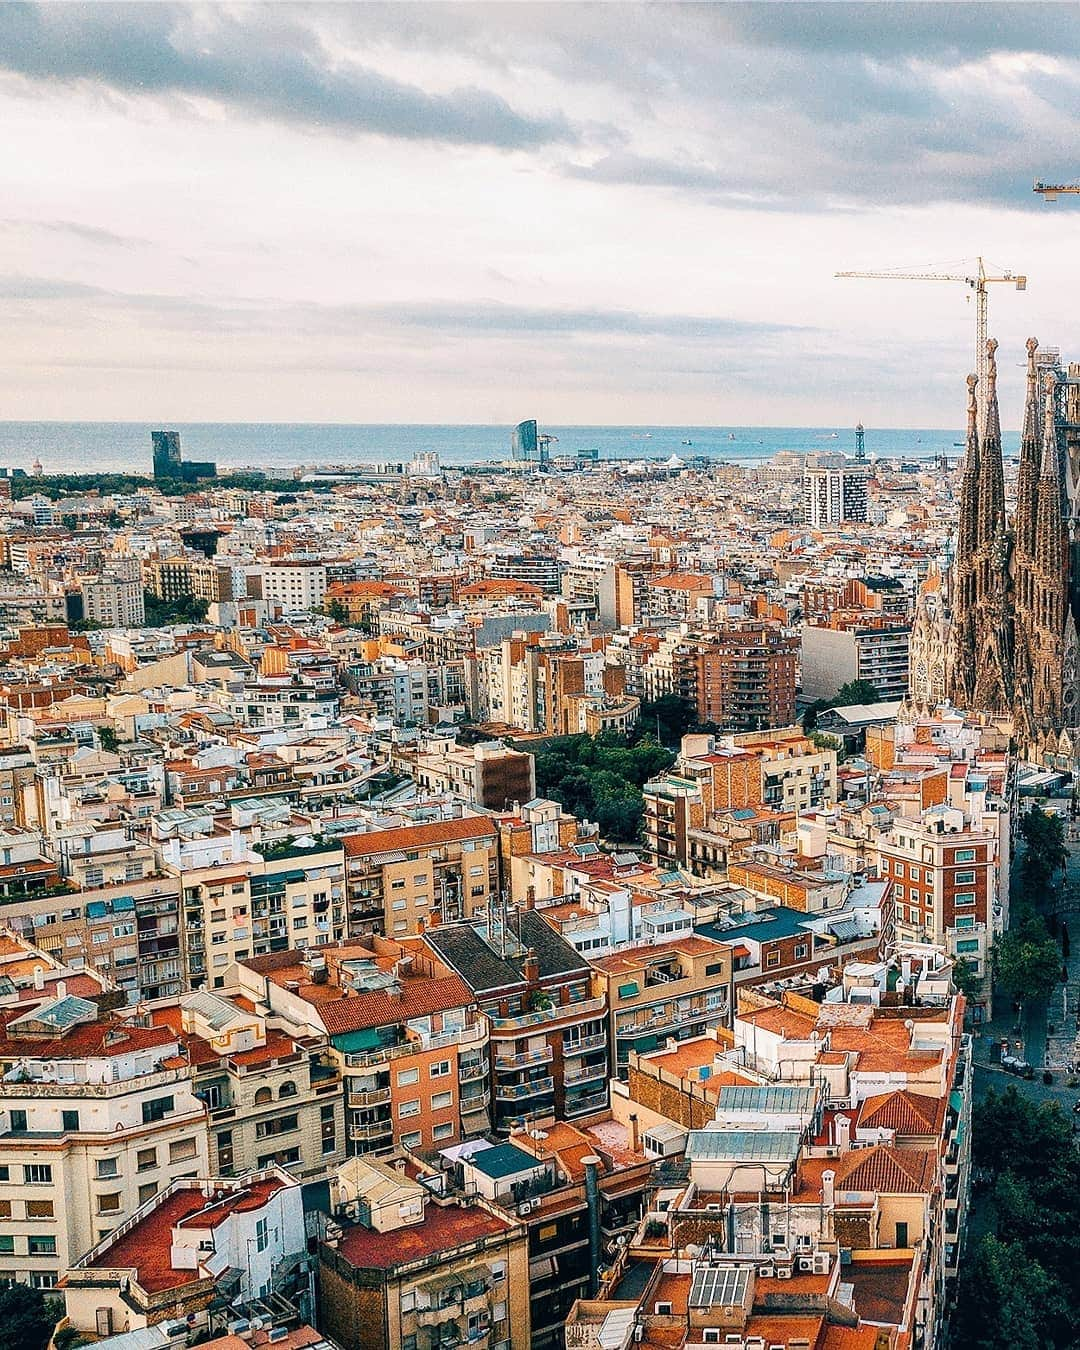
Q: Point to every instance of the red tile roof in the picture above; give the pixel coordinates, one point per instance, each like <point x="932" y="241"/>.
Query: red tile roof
<point x="418" y="836"/>
<point x="887" y="1170"/>
<point x="419" y="998"/>
<point x="443" y="1228"/>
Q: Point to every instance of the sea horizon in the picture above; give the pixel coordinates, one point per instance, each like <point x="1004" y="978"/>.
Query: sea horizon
<point x="124" y="447"/>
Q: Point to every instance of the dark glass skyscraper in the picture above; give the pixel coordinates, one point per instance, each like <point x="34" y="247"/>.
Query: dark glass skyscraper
<point x="167" y="457"/>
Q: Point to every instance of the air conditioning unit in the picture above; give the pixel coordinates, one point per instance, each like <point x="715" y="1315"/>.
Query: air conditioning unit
<point x="806" y="1263"/>
<point x="783" y="1272"/>
<point x="821" y="1263"/>
<point x="765" y="1272"/>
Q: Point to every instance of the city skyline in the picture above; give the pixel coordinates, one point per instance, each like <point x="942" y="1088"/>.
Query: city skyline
<point x="462" y="214"/>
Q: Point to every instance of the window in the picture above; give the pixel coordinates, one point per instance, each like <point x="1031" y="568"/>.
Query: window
<point x="899" y="869"/>
<point x="407" y="1077"/>
<point x="413" y="1139"/>
<point x="263" y="1095"/>
<point x="420" y="880"/>
<point x="714" y="968"/>
<point x="398" y="905"/>
<point x="965" y="921"/>
<point x="109" y="1202"/>
<point x="772" y="958"/>
<point x="802" y="952"/>
<point x="181" y="1149"/>
<point x="43" y="1280"/>
<point x="964" y="878"/>
<point x="108" y="1167"/>
<point x="7" y="1245"/>
<point x="69" y="1121"/>
<point x="964" y="898"/>
<point x="266" y="1129"/>
<point x="408" y="1109"/>
<point x="963" y="855"/>
<point x="441" y="1100"/>
<point x="18" y="1122"/>
<point x="398" y="885"/>
<point x="443" y="1131"/>
<point x="39" y="1209"/>
<point x="287" y="1089"/>
<point x="37" y="1174"/>
<point x="146" y="1159"/>
<point x="967" y="945"/>
<point x="5" y="1209"/>
<point x="147" y="1191"/>
<point x="262" y="1235"/>
<point x="157" y="1109"/>
<point x="441" y="1069"/>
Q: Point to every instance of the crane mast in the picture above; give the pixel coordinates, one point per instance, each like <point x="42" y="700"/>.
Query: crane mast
<point x="977" y="282"/>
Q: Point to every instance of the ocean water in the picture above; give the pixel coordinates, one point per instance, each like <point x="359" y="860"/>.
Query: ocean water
<point x="88" y="447"/>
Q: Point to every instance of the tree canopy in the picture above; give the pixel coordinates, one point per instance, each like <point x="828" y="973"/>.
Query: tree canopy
<point x="600" y="779"/>
<point x="1020" y="1282"/>
<point x="184" y="609"/>
<point x="27" y="1318"/>
<point x="1045" y="854"/>
<point x="1027" y="960"/>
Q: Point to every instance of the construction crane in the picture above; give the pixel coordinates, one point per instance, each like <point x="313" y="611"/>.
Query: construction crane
<point x="977" y="282"/>
<point x="1049" y="191"/>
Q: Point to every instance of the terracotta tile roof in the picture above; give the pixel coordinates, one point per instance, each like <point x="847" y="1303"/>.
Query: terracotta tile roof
<point x="85" y="1041"/>
<point x="905" y="1112"/>
<point x="887" y="1170"/>
<point x="420" y="998"/>
<point x="443" y="1228"/>
<point x="418" y="836"/>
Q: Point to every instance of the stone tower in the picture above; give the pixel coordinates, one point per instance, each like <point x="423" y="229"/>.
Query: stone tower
<point x="981" y="666"/>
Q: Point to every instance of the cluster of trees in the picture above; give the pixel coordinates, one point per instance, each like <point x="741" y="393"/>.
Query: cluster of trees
<point x="184" y="609"/>
<point x="27" y="1318"/>
<point x="1020" y="1280"/>
<point x="601" y="778"/>
<point x="1028" y="961"/>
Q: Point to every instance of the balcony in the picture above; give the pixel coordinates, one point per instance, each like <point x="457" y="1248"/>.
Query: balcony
<point x="475" y="1101"/>
<point x="585" y="1044"/>
<point x="506" y="1063"/>
<point x="585" y="1073"/>
<point x="590" y="1007"/>
<point x="470" y="1073"/>
<point x="374" y="1097"/>
<point x="380" y="1130"/>
<point x="512" y="1092"/>
<point x="364" y="1059"/>
<point x="583" y="1106"/>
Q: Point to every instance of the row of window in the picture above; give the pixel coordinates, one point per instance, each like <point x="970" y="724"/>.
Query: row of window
<point x="439" y="1102"/>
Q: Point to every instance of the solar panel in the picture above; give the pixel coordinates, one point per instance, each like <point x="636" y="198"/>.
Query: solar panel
<point x="723" y="1285"/>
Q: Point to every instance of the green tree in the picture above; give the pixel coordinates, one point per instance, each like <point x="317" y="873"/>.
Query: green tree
<point x="1045" y="854"/>
<point x="108" y="738"/>
<point x="673" y="715"/>
<point x="334" y="609"/>
<point x="184" y="609"/>
<point x="1027" y="961"/>
<point x="27" y="1318"/>
<point x="965" y="978"/>
<point x="1007" y="1301"/>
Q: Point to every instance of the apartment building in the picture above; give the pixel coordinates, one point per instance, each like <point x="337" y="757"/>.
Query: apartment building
<point x="856" y="648"/>
<point x="944" y="875"/>
<point x="489" y="775"/>
<point x="745" y="677"/>
<point x="292" y="587"/>
<point x="780" y="770"/>
<point x="419" y="1270"/>
<point x="403" y="1033"/>
<point x="113" y="603"/>
<point x="193" y="1254"/>
<point x="548" y="1031"/>
<point x="99" y="1115"/>
<point x="287" y="892"/>
<point x="271" y="1100"/>
<point x="397" y="879"/>
<point x="670" y="989"/>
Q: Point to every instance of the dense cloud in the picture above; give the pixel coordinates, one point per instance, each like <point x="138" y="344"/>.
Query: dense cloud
<point x="253" y="63"/>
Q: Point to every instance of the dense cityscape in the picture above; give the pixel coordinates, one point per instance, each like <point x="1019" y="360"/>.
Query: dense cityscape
<point x="595" y="869"/>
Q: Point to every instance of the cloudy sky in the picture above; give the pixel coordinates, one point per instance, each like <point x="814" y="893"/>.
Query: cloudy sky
<point x="602" y="213"/>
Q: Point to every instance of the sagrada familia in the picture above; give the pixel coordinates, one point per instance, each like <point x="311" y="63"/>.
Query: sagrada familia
<point x="998" y="634"/>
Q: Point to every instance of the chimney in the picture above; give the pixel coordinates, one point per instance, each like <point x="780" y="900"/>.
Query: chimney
<point x="842" y="1130"/>
<point x="39" y="977"/>
<point x="828" y="1188"/>
<point x="530" y="897"/>
<point x="61" y="989"/>
<point x="531" y="968"/>
<point x="634" y="1132"/>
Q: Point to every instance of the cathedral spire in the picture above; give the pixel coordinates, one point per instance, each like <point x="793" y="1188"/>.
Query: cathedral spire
<point x="1027" y="478"/>
<point x="991" y="512"/>
<point x="969" y="486"/>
